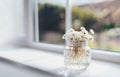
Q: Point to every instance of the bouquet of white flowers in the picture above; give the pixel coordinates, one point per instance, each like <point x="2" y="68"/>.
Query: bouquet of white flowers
<point x="83" y="34"/>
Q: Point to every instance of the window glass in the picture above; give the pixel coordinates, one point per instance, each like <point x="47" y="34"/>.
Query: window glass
<point x="51" y="19"/>
<point x="103" y="16"/>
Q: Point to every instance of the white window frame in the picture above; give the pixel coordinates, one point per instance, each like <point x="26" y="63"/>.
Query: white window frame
<point x="30" y="23"/>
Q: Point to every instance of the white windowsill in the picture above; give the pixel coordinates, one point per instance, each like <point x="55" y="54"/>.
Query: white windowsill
<point x="96" y="54"/>
<point x="53" y="62"/>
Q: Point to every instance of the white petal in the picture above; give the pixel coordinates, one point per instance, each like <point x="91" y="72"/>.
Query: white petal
<point x="91" y="31"/>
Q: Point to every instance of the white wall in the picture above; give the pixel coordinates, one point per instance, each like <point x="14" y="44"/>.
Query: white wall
<point x="11" y="21"/>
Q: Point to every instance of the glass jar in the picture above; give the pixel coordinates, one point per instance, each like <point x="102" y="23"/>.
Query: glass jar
<point x="77" y="55"/>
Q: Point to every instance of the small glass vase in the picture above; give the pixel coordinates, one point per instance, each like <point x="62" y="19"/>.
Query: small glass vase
<point x="77" y="55"/>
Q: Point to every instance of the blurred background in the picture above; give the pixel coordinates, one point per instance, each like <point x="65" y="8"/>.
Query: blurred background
<point x="103" y="16"/>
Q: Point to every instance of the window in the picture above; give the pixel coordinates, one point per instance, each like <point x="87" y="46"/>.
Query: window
<point x="101" y="15"/>
<point x="80" y="8"/>
<point x="51" y="21"/>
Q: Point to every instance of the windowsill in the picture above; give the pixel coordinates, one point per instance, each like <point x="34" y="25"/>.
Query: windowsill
<point x="53" y="62"/>
<point x="96" y="54"/>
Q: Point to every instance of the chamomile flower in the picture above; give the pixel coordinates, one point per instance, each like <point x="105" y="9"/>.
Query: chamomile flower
<point x="91" y="32"/>
<point x="82" y="28"/>
<point x="83" y="34"/>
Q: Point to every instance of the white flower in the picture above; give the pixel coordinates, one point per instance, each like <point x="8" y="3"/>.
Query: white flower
<point x="63" y="36"/>
<point x="86" y="32"/>
<point x="82" y="28"/>
<point x="91" y="31"/>
<point x="71" y="34"/>
<point x="88" y="36"/>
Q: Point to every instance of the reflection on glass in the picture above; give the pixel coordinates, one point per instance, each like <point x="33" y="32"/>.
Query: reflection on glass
<point x="102" y="16"/>
<point x="51" y="21"/>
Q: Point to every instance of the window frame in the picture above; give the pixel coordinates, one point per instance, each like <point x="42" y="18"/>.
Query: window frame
<point x="30" y="22"/>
